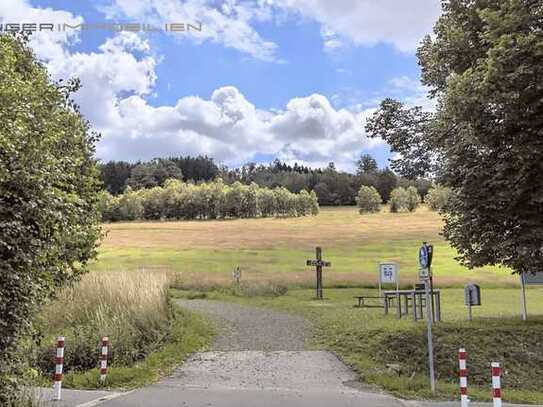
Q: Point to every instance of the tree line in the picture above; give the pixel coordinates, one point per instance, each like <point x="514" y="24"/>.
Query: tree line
<point x="209" y="200"/>
<point x="332" y="187"/>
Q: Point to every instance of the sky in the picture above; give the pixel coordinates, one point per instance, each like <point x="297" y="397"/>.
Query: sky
<point x="262" y="79"/>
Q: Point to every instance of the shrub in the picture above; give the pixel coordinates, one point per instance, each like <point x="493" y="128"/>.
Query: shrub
<point x="399" y="200"/>
<point x="413" y="198"/>
<point x="438" y="197"/>
<point x="368" y="200"/>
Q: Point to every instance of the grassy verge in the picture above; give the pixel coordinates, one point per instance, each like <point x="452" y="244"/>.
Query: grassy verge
<point x="147" y="335"/>
<point x="189" y="333"/>
<point x="391" y="354"/>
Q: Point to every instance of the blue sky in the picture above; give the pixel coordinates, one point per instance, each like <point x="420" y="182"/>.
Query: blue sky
<point x="292" y="79"/>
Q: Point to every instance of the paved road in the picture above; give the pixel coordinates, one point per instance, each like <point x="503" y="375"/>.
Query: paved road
<point x="258" y="360"/>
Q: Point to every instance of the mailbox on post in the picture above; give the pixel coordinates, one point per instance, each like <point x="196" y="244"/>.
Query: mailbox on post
<point x="472" y="297"/>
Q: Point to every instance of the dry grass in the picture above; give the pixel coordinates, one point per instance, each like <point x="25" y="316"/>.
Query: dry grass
<point x="206" y="252"/>
<point x="332" y="227"/>
<point x="131" y="308"/>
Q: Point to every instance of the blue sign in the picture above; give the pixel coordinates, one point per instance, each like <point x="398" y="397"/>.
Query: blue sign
<point x="424" y="256"/>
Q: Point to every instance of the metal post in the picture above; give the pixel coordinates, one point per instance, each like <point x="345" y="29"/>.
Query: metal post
<point x="523" y="297"/>
<point x="432" y="292"/>
<point x="438" y="305"/>
<point x="430" y="340"/>
<point x="318" y="252"/>
<point x="398" y="306"/>
<point x="414" y="304"/>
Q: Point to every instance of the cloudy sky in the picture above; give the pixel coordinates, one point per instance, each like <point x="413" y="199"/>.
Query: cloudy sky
<point x="263" y="79"/>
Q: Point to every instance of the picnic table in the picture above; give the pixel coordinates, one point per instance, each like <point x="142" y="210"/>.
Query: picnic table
<point x="416" y="299"/>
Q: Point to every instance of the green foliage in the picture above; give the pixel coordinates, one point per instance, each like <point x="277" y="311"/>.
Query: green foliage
<point x="49" y="193"/>
<point x="368" y="200"/>
<point x="399" y="200"/>
<point x="413" y="199"/>
<point x="366" y="165"/>
<point x="153" y="173"/>
<point x="438" y="197"/>
<point x="211" y="200"/>
<point x="484" y="67"/>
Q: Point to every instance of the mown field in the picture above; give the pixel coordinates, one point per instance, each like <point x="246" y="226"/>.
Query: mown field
<point x="206" y="252"/>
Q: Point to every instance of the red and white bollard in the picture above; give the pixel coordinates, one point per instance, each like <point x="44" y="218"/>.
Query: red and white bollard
<point x="59" y="363"/>
<point x="496" y="384"/>
<point x="103" y="359"/>
<point x="463" y="374"/>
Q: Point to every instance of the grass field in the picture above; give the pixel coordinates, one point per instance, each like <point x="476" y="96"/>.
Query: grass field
<point x="276" y="249"/>
<point x="369" y="341"/>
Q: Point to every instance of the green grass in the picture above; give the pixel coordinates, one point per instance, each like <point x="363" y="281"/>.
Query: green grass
<point x="189" y="333"/>
<point x="368" y="341"/>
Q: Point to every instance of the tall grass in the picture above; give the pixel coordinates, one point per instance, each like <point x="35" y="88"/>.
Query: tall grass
<point x="129" y="307"/>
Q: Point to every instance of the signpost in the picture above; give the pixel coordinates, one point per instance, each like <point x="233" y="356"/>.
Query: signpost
<point x="425" y="274"/>
<point x="389" y="273"/>
<point x="318" y="263"/>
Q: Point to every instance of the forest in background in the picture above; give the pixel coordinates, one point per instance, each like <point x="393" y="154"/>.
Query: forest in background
<point x="332" y="187"/>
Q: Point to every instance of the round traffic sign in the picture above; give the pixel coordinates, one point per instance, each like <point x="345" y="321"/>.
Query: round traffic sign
<point x="423" y="256"/>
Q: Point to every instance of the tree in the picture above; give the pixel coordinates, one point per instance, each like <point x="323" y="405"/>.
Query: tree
<point x="368" y="200"/>
<point x="153" y="174"/>
<point x="413" y="198"/>
<point x="49" y="195"/>
<point x="386" y="182"/>
<point x="438" y="197"/>
<point x="114" y="175"/>
<point x="399" y="200"/>
<point x="366" y="165"/>
<point x="484" y="69"/>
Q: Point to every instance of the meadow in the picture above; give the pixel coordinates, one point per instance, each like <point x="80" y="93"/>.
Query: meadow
<point x="206" y="252"/>
<point x="197" y="259"/>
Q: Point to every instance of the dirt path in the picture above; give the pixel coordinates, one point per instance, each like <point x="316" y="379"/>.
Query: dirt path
<point x="247" y="328"/>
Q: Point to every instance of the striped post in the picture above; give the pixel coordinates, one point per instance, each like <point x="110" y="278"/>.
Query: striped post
<point x="463" y="374"/>
<point x="496" y="384"/>
<point x="59" y="363"/>
<point x="103" y="359"/>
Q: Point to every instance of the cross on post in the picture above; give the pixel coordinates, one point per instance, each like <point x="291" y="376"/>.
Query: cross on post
<point x="318" y="263"/>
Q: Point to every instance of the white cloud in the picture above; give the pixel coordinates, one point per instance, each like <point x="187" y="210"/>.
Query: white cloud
<point x="369" y="22"/>
<point x="47" y="45"/>
<point x="227" y="126"/>
<point x="120" y="74"/>
<point x="228" y="22"/>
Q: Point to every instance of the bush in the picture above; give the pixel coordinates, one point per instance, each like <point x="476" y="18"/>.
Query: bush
<point x="438" y="197"/>
<point x="368" y="200"/>
<point x="399" y="200"/>
<point x="413" y="199"/>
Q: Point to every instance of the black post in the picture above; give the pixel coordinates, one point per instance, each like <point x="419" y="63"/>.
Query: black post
<point x="318" y="252"/>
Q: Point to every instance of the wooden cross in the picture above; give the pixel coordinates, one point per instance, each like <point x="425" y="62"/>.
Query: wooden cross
<point x="318" y="263"/>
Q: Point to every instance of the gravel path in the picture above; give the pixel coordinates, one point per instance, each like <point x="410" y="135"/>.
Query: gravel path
<point x="248" y="328"/>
